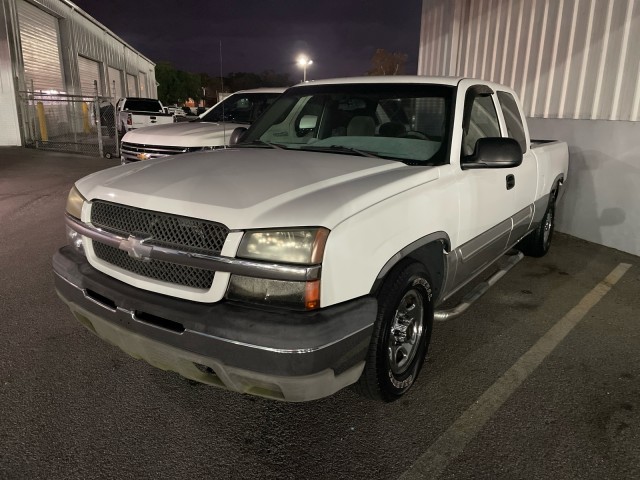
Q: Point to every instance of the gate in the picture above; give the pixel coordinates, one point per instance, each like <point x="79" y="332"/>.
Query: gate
<point x="52" y="120"/>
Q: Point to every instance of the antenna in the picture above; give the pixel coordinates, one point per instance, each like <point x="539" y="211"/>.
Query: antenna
<point x="224" y="123"/>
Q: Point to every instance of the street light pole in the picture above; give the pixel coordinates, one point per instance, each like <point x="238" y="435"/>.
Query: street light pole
<point x="304" y="62"/>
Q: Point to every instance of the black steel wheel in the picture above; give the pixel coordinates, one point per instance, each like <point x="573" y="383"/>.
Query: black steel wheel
<point x="401" y="334"/>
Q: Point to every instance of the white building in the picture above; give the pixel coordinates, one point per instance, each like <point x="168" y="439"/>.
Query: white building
<point x="576" y="66"/>
<point x="54" y="46"/>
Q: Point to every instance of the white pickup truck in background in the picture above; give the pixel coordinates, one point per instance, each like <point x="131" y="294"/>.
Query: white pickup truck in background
<point x="315" y="253"/>
<point x="210" y="130"/>
<point x="135" y="112"/>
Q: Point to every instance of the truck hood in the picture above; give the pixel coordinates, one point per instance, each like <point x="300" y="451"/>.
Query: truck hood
<point x="246" y="188"/>
<point x="183" y="134"/>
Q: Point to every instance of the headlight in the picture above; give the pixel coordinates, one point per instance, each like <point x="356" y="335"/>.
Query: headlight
<point x="301" y="246"/>
<point x="74" y="208"/>
<point x="74" y="203"/>
<point x="295" y="245"/>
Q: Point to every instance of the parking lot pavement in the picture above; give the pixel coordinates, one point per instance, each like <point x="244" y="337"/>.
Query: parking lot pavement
<point x="75" y="407"/>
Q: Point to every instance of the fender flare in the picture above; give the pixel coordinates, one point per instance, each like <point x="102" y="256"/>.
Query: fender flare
<point x="429" y="250"/>
<point x="555" y="188"/>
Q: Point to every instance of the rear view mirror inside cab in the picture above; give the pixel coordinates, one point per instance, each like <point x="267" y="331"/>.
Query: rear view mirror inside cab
<point x="308" y="122"/>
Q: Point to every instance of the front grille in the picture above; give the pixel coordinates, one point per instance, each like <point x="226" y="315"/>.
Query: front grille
<point x="163" y="230"/>
<point x="130" y="151"/>
<point x="156" y="269"/>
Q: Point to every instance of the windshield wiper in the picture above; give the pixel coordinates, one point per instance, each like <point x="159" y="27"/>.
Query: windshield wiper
<point x="340" y="148"/>
<point x="255" y="143"/>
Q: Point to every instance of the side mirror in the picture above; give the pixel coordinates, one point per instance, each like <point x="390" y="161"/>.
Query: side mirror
<point x="493" y="152"/>
<point x="165" y="109"/>
<point x="236" y="135"/>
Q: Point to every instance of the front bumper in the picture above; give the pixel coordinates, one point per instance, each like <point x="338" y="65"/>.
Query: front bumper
<point x="286" y="355"/>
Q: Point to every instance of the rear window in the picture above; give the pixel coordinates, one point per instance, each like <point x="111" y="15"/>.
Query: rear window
<point x="143" y="106"/>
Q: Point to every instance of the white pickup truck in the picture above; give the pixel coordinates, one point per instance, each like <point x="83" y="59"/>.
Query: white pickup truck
<point x="316" y="252"/>
<point x="209" y="131"/>
<point x="136" y="112"/>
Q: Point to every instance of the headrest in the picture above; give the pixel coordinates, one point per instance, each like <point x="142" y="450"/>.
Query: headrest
<point x="361" y="126"/>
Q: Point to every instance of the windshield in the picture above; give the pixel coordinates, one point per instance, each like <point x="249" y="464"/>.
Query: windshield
<point x="240" y="108"/>
<point x="406" y="122"/>
<point x="142" y="105"/>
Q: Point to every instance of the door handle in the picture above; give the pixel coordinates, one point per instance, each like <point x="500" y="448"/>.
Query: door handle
<point x="511" y="182"/>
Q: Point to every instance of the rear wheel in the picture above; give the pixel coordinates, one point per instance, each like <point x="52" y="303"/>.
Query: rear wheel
<point x="401" y="334"/>
<point x="537" y="243"/>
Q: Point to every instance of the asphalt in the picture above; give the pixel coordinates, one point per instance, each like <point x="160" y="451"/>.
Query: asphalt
<point x="72" y="406"/>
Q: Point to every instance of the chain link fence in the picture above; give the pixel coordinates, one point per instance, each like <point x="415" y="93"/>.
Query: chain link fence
<point x="58" y="121"/>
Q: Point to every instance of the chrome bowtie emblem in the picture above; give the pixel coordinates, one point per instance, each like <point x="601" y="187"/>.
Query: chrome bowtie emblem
<point x="136" y="248"/>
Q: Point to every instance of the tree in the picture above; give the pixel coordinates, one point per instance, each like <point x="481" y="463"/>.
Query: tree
<point x="272" y="79"/>
<point x="176" y="86"/>
<point x="213" y="85"/>
<point x="387" y="63"/>
<point x="243" y="81"/>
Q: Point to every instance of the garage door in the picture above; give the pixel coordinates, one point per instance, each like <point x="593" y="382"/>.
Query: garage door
<point x="89" y="74"/>
<point x="115" y="83"/>
<point x="143" y="85"/>
<point x="132" y="85"/>
<point x="40" y="41"/>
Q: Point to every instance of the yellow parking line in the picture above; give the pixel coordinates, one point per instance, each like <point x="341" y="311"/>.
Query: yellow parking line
<point x="453" y="441"/>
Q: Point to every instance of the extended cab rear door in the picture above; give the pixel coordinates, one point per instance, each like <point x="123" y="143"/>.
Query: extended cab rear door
<point x="526" y="179"/>
<point x="490" y="198"/>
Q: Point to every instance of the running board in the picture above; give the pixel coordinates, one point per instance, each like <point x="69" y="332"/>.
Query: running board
<point x="478" y="291"/>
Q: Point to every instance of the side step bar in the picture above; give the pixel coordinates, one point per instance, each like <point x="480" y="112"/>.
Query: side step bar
<point x="477" y="292"/>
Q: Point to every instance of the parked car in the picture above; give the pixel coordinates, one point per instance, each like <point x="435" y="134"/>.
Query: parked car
<point x="315" y="253"/>
<point x="137" y="112"/>
<point x="210" y="130"/>
<point x="175" y="111"/>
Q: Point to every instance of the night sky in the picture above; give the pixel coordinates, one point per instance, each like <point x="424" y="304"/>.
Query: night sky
<point x="339" y="35"/>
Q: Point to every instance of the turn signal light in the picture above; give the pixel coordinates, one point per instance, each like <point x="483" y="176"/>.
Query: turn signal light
<point x="312" y="295"/>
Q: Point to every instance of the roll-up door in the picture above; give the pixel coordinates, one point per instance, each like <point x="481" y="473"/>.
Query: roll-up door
<point x="40" y="48"/>
<point x="143" y="84"/>
<point x="115" y="83"/>
<point x="89" y="74"/>
<point x="132" y="85"/>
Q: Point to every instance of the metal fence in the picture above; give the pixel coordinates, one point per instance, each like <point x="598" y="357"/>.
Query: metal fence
<point x="59" y="121"/>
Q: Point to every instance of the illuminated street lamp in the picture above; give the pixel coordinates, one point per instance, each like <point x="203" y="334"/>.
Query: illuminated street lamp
<point x="304" y="62"/>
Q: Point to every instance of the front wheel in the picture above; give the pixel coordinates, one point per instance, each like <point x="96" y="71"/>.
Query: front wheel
<point x="401" y="334"/>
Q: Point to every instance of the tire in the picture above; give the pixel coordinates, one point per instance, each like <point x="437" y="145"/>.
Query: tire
<point x="537" y="243"/>
<point x="401" y="334"/>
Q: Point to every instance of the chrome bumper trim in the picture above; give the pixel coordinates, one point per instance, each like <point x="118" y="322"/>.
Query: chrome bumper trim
<point x="218" y="263"/>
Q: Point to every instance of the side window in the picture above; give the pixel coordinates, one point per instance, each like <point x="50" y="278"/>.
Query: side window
<point x="240" y="111"/>
<point x="512" y="118"/>
<point x="260" y="103"/>
<point x="483" y="122"/>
